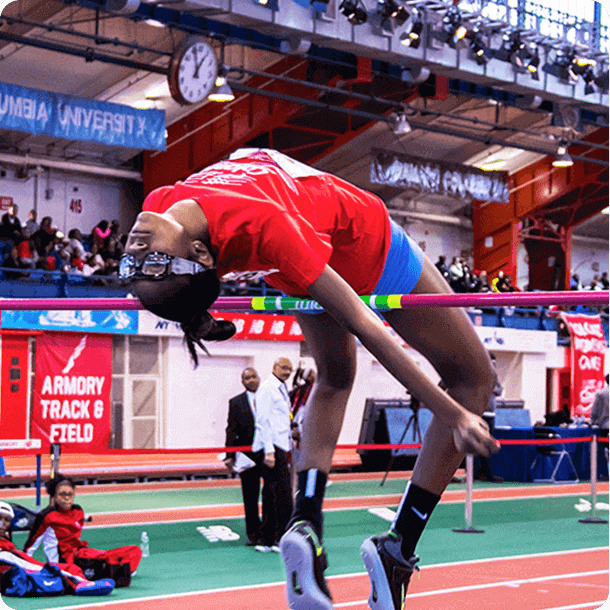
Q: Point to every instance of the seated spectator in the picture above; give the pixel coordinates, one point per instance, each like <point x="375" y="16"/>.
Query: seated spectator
<point x="27" y="255"/>
<point x="43" y="238"/>
<point x="54" y="259"/>
<point x="441" y="265"/>
<point x="468" y="282"/>
<point x="575" y="282"/>
<point x="456" y="273"/>
<point x="100" y="233"/>
<point x="593" y="284"/>
<point x="72" y="579"/>
<point x="604" y="280"/>
<point x="59" y="528"/>
<point x="483" y="285"/>
<point x="95" y="264"/>
<point x="10" y="225"/>
<point x="12" y="262"/>
<point x="74" y="248"/>
<point x="31" y="224"/>
<point x="502" y="283"/>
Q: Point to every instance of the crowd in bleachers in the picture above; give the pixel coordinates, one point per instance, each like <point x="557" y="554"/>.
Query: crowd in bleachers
<point x="34" y="245"/>
<point x="462" y="278"/>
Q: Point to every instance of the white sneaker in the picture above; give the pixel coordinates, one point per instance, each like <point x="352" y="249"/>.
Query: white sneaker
<point x="262" y="548"/>
<point x="275" y="548"/>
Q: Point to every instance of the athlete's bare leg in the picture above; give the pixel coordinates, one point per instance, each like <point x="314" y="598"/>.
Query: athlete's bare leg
<point x="334" y="351"/>
<point x="446" y="337"/>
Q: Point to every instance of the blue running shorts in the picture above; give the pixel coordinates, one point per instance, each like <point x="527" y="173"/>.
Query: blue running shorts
<point x="403" y="265"/>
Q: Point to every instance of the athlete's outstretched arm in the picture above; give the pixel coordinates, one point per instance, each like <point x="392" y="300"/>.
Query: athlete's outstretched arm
<point x="470" y="432"/>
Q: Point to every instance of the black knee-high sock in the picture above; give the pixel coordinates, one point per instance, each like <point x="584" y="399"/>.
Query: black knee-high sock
<point x="412" y="517"/>
<point x="309" y="498"/>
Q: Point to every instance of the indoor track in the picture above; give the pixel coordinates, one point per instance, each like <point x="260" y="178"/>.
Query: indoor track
<point x="534" y="553"/>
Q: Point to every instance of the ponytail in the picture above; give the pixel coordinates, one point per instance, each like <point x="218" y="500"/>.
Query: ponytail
<point x="205" y="326"/>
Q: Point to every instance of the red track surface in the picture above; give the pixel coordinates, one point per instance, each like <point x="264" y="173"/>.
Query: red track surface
<point x="537" y="582"/>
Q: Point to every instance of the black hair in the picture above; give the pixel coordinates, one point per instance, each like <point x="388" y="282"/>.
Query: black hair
<point x="186" y="299"/>
<point x="59" y="479"/>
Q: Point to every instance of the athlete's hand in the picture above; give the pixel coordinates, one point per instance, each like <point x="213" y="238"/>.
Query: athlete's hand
<point x="471" y="435"/>
<point x="229" y="463"/>
<point x="269" y="460"/>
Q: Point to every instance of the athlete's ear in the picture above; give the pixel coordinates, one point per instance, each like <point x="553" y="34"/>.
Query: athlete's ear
<point x="200" y="254"/>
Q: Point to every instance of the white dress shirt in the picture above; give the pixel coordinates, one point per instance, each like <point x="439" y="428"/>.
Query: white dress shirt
<point x="272" y="419"/>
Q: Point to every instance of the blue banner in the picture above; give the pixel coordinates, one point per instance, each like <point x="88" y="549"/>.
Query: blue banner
<point x="64" y="116"/>
<point x="123" y="322"/>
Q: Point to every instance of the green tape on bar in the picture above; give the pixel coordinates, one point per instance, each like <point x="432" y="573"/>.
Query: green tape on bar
<point x="391" y="301"/>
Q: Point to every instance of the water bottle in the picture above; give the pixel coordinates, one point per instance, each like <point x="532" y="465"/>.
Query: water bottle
<point x="144" y="545"/>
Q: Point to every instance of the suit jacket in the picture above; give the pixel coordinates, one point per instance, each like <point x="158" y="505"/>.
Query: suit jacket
<point x="240" y="423"/>
<point x="599" y="409"/>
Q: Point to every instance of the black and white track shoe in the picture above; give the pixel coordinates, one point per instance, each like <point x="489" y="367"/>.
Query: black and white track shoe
<point x="305" y="561"/>
<point x="388" y="570"/>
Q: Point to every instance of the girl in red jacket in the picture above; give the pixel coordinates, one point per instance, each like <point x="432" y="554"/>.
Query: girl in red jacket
<point x="59" y="529"/>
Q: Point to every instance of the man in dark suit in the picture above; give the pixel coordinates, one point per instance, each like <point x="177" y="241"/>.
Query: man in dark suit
<point x="240" y="432"/>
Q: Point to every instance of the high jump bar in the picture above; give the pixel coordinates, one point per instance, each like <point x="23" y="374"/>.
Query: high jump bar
<point x="394" y="301"/>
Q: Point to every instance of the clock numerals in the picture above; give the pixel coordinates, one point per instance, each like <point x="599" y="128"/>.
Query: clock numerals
<point x="193" y="72"/>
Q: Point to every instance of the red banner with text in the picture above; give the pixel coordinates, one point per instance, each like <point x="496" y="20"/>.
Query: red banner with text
<point x="587" y="359"/>
<point x="72" y="390"/>
<point x="263" y="327"/>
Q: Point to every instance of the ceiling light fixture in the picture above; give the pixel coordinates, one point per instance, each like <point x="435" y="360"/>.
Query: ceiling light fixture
<point x="411" y="37"/>
<point x="391" y="10"/>
<point x="478" y="47"/>
<point x="272" y="5"/>
<point x="562" y="158"/>
<point x="221" y="92"/>
<point x="532" y="64"/>
<point x="352" y="9"/>
<point x="154" y="23"/>
<point x="401" y="125"/>
<point x="453" y="29"/>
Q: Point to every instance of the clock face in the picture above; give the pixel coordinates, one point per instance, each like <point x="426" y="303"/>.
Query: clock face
<point x="193" y="72"/>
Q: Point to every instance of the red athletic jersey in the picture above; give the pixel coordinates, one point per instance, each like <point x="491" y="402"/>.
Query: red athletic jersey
<point x="264" y="218"/>
<point x="7" y="545"/>
<point x="59" y="531"/>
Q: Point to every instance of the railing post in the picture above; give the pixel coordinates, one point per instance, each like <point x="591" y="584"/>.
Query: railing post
<point x="593" y="461"/>
<point x="468" y="504"/>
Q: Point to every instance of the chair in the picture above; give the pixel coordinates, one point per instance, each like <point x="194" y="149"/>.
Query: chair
<point x="550" y="452"/>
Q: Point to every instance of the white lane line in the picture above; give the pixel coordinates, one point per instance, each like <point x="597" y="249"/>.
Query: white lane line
<point x="575" y="606"/>
<point x="387" y="514"/>
<point x="490" y="585"/>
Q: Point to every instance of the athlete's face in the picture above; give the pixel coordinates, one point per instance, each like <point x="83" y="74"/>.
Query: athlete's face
<point x="5" y="521"/>
<point x="250" y="379"/>
<point x="64" y="497"/>
<point x="154" y="232"/>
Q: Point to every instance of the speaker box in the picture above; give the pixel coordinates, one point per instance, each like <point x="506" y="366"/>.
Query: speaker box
<point x="389" y="422"/>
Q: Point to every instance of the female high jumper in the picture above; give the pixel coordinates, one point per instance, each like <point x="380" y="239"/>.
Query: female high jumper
<point x="315" y="235"/>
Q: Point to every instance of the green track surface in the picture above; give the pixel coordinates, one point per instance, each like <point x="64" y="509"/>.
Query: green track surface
<point x="183" y="560"/>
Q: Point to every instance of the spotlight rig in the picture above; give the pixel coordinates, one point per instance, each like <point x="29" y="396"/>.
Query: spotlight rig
<point x="479" y="48"/>
<point x="354" y="11"/>
<point x="411" y="37"/>
<point x="390" y="10"/>
<point x="452" y="29"/>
